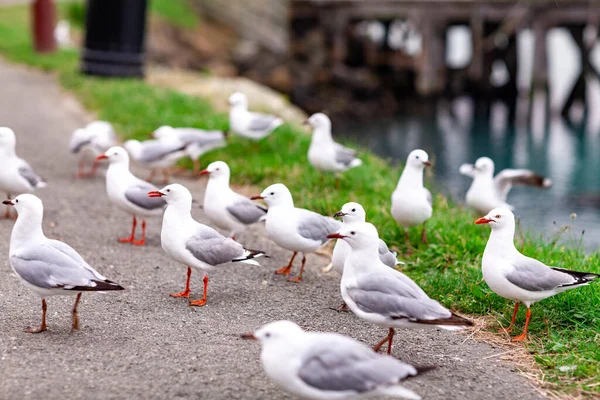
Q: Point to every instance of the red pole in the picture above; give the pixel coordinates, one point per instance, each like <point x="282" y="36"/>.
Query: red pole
<point x="43" y="21"/>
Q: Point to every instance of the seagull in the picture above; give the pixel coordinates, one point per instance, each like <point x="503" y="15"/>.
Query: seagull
<point x="250" y="125"/>
<point x="411" y="202"/>
<point x="324" y="154"/>
<point x="197" y="141"/>
<point x="89" y="142"/>
<point x="192" y="243"/>
<point x="16" y="175"/>
<point x="294" y="229"/>
<point x="46" y="266"/>
<point x="354" y="213"/>
<point x="129" y="193"/>
<point x="323" y="366"/>
<point x="383" y="295"/>
<point x="156" y="154"/>
<point x="514" y="276"/>
<point x="488" y="191"/>
<point x="225" y="208"/>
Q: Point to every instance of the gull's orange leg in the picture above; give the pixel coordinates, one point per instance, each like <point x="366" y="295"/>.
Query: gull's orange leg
<point x="523" y="335"/>
<point x="75" y="315"/>
<point x="42" y="327"/>
<point x="286" y="270"/>
<point x="514" y="317"/>
<point x="298" y="278"/>
<point x="186" y="291"/>
<point x="387" y="339"/>
<point x="424" y="234"/>
<point x="142" y="241"/>
<point x="130" y="238"/>
<point x="94" y="168"/>
<point x="202" y="301"/>
<point x="80" y="173"/>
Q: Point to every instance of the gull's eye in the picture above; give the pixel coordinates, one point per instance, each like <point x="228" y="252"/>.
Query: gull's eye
<point x="272" y="193"/>
<point x="217" y="169"/>
<point x="116" y="154"/>
<point x="16" y="201"/>
<point x="267" y="335"/>
<point x="168" y="190"/>
<point x="353" y="233"/>
<point x="354" y="210"/>
<point x="417" y="157"/>
<point x="498" y="216"/>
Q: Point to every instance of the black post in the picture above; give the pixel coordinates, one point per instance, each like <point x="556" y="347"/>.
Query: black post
<point x="114" y="40"/>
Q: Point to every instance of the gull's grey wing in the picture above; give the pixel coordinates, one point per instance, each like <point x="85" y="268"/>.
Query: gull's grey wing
<point x="316" y="227"/>
<point x="507" y="178"/>
<point x="245" y="211"/>
<point x="386" y="256"/>
<point x="344" y="155"/>
<point x="199" y="136"/>
<point x="74" y="255"/>
<point x="29" y="175"/>
<point x="212" y="248"/>
<point x="467" y="169"/>
<point x="77" y="146"/>
<point x="429" y="198"/>
<point x="154" y="150"/>
<point x="337" y="364"/>
<point x="532" y="275"/>
<point x="138" y="195"/>
<point x="260" y="122"/>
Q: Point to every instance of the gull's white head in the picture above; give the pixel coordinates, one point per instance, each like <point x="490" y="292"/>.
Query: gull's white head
<point x="351" y="213"/>
<point x="114" y="155"/>
<point x="217" y="170"/>
<point x="7" y="137"/>
<point x="173" y="193"/>
<point x="275" y="195"/>
<point x="163" y="132"/>
<point x="319" y="121"/>
<point x="418" y="159"/>
<point x="484" y="165"/>
<point x="358" y="236"/>
<point x="279" y="331"/>
<point x="238" y="99"/>
<point x="498" y="218"/>
<point x="26" y="204"/>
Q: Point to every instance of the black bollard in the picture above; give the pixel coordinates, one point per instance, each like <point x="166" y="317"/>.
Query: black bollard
<point x="114" y="39"/>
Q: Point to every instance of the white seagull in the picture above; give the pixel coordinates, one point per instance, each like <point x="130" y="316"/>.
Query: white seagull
<point x="192" y="243"/>
<point x="514" y="276"/>
<point x="156" y="154"/>
<point x="325" y="154"/>
<point x="324" y="366"/>
<point x="129" y="193"/>
<point x="89" y="142"/>
<point x="411" y="201"/>
<point x="197" y="141"/>
<point x="294" y="229"/>
<point x="225" y="208"/>
<point x="250" y="125"/>
<point x="488" y="191"/>
<point x="383" y="295"/>
<point x="47" y="266"/>
<point x="16" y="175"/>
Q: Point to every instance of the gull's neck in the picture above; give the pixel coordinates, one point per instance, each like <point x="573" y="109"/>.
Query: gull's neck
<point x="28" y="228"/>
<point x="218" y="183"/>
<point x="8" y="151"/>
<point x="411" y="176"/>
<point x="366" y="252"/>
<point x="121" y="168"/>
<point x="282" y="203"/>
<point x="501" y="242"/>
<point x="180" y="210"/>
<point x="322" y="134"/>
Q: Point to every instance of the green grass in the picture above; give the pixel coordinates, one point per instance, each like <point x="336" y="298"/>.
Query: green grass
<point x="178" y="12"/>
<point x="565" y="329"/>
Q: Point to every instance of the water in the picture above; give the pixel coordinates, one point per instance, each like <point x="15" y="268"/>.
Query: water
<point x="569" y="156"/>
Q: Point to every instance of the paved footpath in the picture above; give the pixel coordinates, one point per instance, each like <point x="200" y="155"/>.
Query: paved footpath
<point x="143" y="344"/>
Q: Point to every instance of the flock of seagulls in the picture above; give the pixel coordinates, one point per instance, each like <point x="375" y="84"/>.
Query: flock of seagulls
<point x="317" y="365"/>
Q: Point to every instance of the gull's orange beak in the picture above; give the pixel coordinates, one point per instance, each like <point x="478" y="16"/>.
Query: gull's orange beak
<point x="155" y="193"/>
<point x="483" y="220"/>
<point x="101" y="157"/>
<point x="8" y="203"/>
<point x="427" y="163"/>
<point x="249" y="336"/>
<point x="335" y="236"/>
<point x="205" y="172"/>
<point x="257" y="198"/>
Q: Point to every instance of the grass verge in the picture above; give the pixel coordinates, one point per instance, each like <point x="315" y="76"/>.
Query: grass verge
<point x="565" y="329"/>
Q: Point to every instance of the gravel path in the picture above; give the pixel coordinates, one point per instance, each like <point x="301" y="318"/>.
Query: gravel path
<point x="142" y="344"/>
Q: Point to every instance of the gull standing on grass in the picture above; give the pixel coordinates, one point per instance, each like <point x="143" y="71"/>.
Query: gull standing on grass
<point x="129" y="193"/>
<point x="46" y="266"/>
<point x="323" y="366"/>
<point x="197" y="141"/>
<point x="156" y="154"/>
<point x="89" y="142"/>
<point x="514" y="276"/>
<point x="294" y="229"/>
<point x="324" y="154"/>
<point x="16" y="175"/>
<point x="250" y="125"/>
<point x="192" y="243"/>
<point x="383" y="295"/>
<point x="488" y="192"/>
<point x="225" y="208"/>
<point x="411" y="201"/>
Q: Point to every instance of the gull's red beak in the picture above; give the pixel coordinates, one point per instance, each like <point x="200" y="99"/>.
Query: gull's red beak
<point x="257" y="198"/>
<point x="427" y="163"/>
<point x="483" y="220"/>
<point x="249" y="336"/>
<point x="305" y="122"/>
<point x="155" y="193"/>
<point x="8" y="203"/>
<point x="101" y="157"/>
<point x="339" y="214"/>
<point x="205" y="172"/>
<point x="335" y="236"/>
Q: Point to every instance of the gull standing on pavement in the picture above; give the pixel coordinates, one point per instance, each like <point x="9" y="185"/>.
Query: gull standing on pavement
<point x="16" y="175"/>
<point x="294" y="229"/>
<point x="323" y="366"/>
<point x="130" y="193"/>
<point x="324" y="154"/>
<point x="250" y="125"/>
<point x="383" y="295"/>
<point x="194" y="244"/>
<point x="156" y="154"/>
<point x="411" y="201"/>
<point x="514" y="276"/>
<point x="89" y="142"/>
<point x="488" y="191"/>
<point x="46" y="266"/>
<point x="225" y="208"/>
